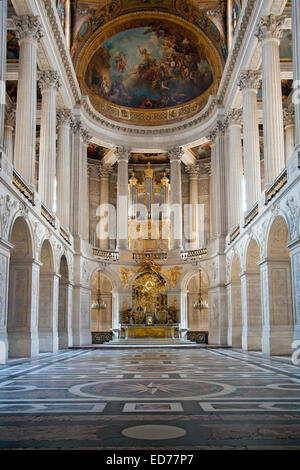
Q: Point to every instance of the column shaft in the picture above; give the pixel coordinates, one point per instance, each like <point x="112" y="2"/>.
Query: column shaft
<point x="296" y="64"/>
<point x="48" y="83"/>
<point x="194" y="228"/>
<point x="63" y="163"/>
<point x="249" y="81"/>
<point x="3" y="47"/>
<point x="29" y="33"/>
<point x="104" y="200"/>
<point x="269" y="33"/>
<point x="176" y="198"/>
<point x="235" y="167"/>
<point x="122" y="198"/>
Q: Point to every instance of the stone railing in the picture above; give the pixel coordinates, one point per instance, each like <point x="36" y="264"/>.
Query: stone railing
<point x="276" y="186"/>
<point x="190" y="255"/>
<point x="47" y="214"/>
<point x="65" y="235"/>
<point x="234" y="234"/>
<point x="23" y="187"/>
<point x="140" y="256"/>
<point x="106" y="255"/>
<point x="251" y="215"/>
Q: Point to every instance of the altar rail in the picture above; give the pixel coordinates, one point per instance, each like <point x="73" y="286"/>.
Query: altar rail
<point x="106" y="255"/>
<point x="140" y="256"/>
<point x="190" y="255"/>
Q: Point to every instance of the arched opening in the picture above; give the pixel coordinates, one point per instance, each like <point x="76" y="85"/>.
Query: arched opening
<point x="278" y="314"/>
<point x="197" y="302"/>
<point x="23" y="282"/>
<point x="47" y="323"/>
<point x="101" y="308"/>
<point x="251" y="300"/>
<point x="64" y="306"/>
<point x="235" y="302"/>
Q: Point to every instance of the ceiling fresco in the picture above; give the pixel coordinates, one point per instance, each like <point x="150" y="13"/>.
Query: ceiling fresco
<point x="96" y="151"/>
<point x="159" y="158"/>
<point x="202" y="151"/>
<point x="149" y="67"/>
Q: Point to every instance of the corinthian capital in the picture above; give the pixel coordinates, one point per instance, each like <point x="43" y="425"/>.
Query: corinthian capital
<point x="234" y="116"/>
<point x="28" y="27"/>
<point x="64" y="117"/>
<point x="289" y="116"/>
<point x="249" y="80"/>
<point x="86" y="136"/>
<point x="104" y="171"/>
<point x="49" y="80"/>
<point x="122" y="153"/>
<point x="10" y="116"/>
<point x="76" y="126"/>
<point x="192" y="171"/>
<point x="269" y="27"/>
<point x="175" y="154"/>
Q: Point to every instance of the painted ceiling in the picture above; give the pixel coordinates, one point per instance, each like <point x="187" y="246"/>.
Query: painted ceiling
<point x="148" y="62"/>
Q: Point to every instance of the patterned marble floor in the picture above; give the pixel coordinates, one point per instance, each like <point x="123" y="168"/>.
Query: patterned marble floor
<point x="150" y="399"/>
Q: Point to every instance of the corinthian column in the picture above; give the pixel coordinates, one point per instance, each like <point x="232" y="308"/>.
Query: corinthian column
<point x="289" y="130"/>
<point x="49" y="83"/>
<point x="76" y="179"/>
<point x="296" y="65"/>
<point x="248" y="83"/>
<point x="175" y="155"/>
<point x="104" y="172"/>
<point x="193" y="172"/>
<point x="122" y="155"/>
<point x="10" y="117"/>
<point x="63" y="163"/>
<point x="86" y="137"/>
<point x="234" y="118"/>
<point x="268" y="33"/>
<point x="28" y="31"/>
<point x="3" y="47"/>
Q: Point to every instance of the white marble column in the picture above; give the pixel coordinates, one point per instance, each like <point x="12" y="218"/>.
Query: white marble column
<point x="4" y="285"/>
<point x="248" y="83"/>
<point x="65" y="336"/>
<point x="235" y="161"/>
<point x="10" y="117"/>
<point x="122" y="155"/>
<point x="296" y="65"/>
<point x="28" y="31"/>
<point x="49" y="83"/>
<point x="193" y="172"/>
<point x="63" y="163"/>
<point x="76" y="179"/>
<point x="268" y="33"/>
<point x="85" y="218"/>
<point x="3" y="48"/>
<point x="104" y="172"/>
<point x="289" y="130"/>
<point x="175" y="155"/>
<point x="218" y="181"/>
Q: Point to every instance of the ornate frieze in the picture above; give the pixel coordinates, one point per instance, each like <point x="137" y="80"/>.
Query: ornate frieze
<point x="249" y="80"/>
<point x="49" y="79"/>
<point x="28" y="27"/>
<point x="269" y="27"/>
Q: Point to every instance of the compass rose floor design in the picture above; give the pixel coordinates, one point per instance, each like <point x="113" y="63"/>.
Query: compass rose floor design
<point x="150" y="399"/>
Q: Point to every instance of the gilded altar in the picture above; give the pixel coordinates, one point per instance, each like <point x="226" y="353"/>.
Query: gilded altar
<point x="145" y="331"/>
